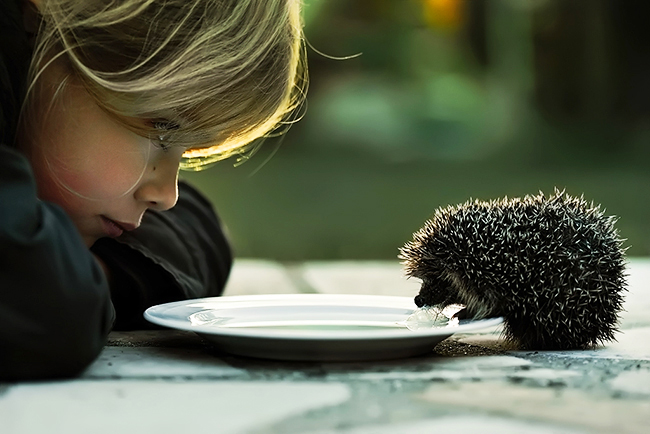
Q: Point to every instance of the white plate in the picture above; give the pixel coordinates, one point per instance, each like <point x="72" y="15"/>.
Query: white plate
<point x="315" y="327"/>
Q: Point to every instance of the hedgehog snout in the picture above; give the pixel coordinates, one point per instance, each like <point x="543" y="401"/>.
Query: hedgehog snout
<point x="442" y="292"/>
<point x="436" y="292"/>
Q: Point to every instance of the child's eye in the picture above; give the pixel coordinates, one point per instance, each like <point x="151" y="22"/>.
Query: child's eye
<point x="164" y="124"/>
<point x="163" y="127"/>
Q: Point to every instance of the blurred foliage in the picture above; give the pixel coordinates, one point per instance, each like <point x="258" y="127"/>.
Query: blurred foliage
<point x="449" y="99"/>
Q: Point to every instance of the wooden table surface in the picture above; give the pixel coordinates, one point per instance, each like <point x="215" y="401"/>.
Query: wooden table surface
<point x="168" y="381"/>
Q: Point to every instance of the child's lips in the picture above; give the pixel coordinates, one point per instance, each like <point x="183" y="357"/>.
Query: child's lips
<point x="114" y="228"/>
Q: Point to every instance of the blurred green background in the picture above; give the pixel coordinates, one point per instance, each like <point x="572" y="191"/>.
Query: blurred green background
<point x="449" y="100"/>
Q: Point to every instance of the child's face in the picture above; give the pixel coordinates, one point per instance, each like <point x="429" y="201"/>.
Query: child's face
<point x="101" y="173"/>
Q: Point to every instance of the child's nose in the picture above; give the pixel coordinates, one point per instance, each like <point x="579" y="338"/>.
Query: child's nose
<point x="160" y="189"/>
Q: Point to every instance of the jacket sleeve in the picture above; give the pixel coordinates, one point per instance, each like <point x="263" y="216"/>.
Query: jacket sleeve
<point x="174" y="255"/>
<point x="55" y="308"/>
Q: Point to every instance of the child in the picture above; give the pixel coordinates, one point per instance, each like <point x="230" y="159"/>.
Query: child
<point x="100" y="103"/>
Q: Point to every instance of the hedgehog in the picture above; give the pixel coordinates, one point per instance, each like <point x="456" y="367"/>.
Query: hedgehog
<point x="552" y="267"/>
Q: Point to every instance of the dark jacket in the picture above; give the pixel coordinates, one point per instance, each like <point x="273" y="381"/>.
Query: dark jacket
<point x="56" y="307"/>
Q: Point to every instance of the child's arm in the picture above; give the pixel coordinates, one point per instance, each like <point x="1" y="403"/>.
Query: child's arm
<point x="174" y="255"/>
<point x="55" y="309"/>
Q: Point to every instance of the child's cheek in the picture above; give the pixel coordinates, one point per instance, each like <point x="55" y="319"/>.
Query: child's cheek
<point x="103" y="169"/>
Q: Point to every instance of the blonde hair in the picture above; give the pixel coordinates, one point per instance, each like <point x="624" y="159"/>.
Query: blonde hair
<point x="224" y="72"/>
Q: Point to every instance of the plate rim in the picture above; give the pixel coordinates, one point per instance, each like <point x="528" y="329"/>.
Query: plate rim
<point x="151" y="313"/>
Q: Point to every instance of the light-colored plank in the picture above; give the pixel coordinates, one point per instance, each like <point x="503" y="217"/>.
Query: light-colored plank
<point x="100" y="407"/>
<point x="359" y="277"/>
<point x="252" y="277"/>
